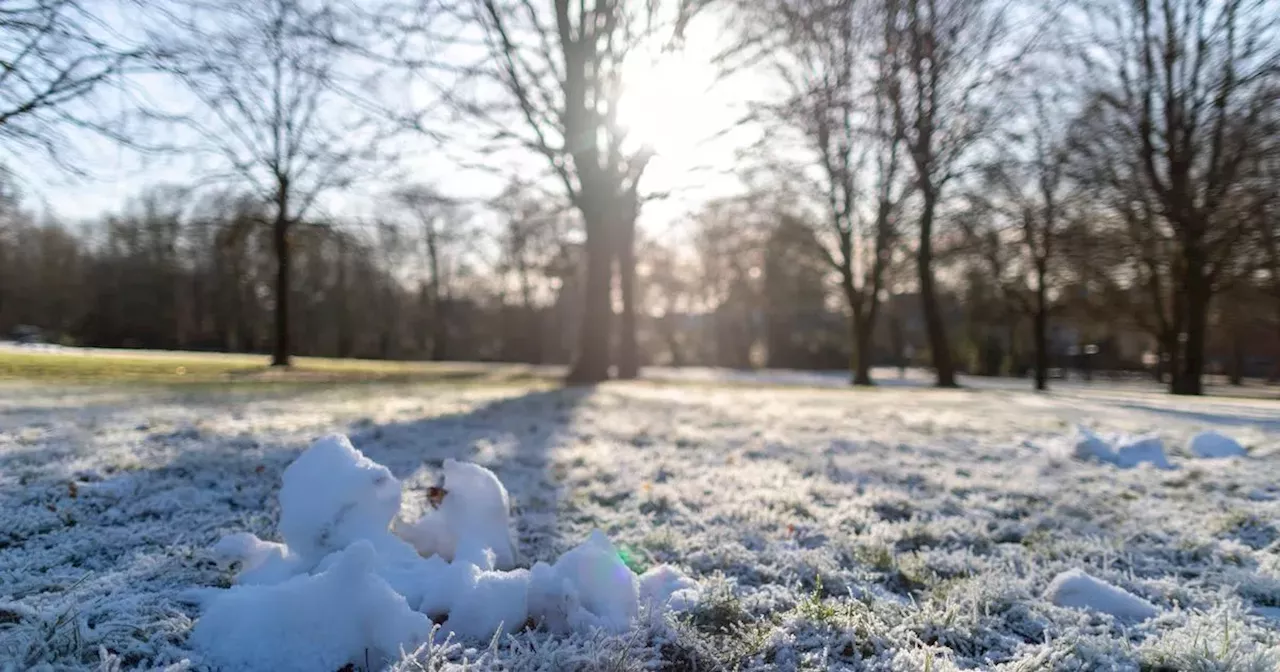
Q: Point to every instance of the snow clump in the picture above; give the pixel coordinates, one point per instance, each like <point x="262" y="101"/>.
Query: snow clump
<point x="323" y="621"/>
<point x="1211" y="445"/>
<point x="1123" y="451"/>
<point x="475" y="505"/>
<point x="1077" y="590"/>
<point x="346" y="582"/>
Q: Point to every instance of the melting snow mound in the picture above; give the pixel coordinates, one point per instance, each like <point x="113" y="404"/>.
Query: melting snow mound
<point x="1124" y="452"/>
<point x="311" y="622"/>
<point x="1075" y="589"/>
<point x="1135" y="451"/>
<point x="1212" y="445"/>
<point x="333" y="495"/>
<point x="343" y="586"/>
<point x="475" y="505"/>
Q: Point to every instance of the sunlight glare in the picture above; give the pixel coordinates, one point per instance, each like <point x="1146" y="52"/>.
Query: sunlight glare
<point x="665" y="104"/>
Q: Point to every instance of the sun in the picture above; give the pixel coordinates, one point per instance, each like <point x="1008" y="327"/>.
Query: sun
<point x="669" y="102"/>
<point x="675" y="103"/>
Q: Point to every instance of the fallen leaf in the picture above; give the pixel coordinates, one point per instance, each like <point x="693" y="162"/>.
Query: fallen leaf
<point x="435" y="495"/>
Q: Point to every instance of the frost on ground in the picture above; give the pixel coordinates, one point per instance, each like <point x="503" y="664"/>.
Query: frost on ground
<point x="891" y="529"/>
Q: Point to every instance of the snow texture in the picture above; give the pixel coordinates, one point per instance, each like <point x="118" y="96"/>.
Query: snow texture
<point x="1123" y="451"/>
<point x="1074" y="588"/>
<point x="475" y="505"/>
<point x="332" y="496"/>
<point x="889" y="529"/>
<point x="325" y="621"/>
<point x="1211" y="445"/>
<point x="587" y="588"/>
<point x="665" y="587"/>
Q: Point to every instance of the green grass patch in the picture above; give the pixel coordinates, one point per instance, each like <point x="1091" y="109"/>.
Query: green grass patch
<point x="123" y="366"/>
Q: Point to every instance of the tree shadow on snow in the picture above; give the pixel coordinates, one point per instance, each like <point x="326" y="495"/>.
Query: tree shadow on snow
<point x="168" y="514"/>
<point x="515" y="437"/>
<point x="1269" y="422"/>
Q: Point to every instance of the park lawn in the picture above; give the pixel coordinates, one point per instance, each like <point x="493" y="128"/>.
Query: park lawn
<point x="125" y="366"/>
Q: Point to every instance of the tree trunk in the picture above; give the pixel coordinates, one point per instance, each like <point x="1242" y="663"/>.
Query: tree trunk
<point x="591" y="363"/>
<point x="1188" y="382"/>
<point x="628" y="351"/>
<point x="943" y="363"/>
<point x="859" y="333"/>
<point x="439" y="325"/>
<point x="862" y="349"/>
<point x="1041" y="335"/>
<point x="280" y="355"/>
<point x="531" y="319"/>
<point x="1237" y="360"/>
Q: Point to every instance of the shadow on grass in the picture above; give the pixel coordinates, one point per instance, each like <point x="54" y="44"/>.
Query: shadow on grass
<point x="1263" y="421"/>
<point x="516" y="437"/>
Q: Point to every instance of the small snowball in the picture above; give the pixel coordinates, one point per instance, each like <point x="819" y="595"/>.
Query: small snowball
<point x="1075" y="589"/>
<point x="1211" y="445"/>
<point x="588" y="587"/>
<point x="333" y="495"/>
<point x="475" y="507"/>
<point x="312" y="622"/>
<point x="665" y="587"/>
<point x="1142" y="449"/>
<point x="261" y="562"/>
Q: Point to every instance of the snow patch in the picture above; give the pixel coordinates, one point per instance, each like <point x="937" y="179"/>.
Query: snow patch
<point x="1078" y="590"/>
<point x="665" y="586"/>
<point x="333" y="495"/>
<point x="1213" y="445"/>
<point x="323" y="621"/>
<point x="261" y="562"/>
<point x="343" y="583"/>
<point x="1135" y="451"/>
<point x="1089" y="446"/>
<point x="1123" y="451"/>
<point x="588" y="587"/>
<point x="475" y="505"/>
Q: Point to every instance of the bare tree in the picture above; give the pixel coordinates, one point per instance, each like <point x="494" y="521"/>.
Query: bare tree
<point x="1022" y="193"/>
<point x="1187" y="86"/>
<point x="951" y="64"/>
<point x="828" y="56"/>
<point x="438" y="220"/>
<point x="531" y="235"/>
<point x="560" y="72"/>
<point x="55" y="56"/>
<point x="281" y="107"/>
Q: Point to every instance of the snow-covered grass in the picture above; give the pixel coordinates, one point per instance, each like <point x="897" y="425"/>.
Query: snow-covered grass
<point x="885" y="529"/>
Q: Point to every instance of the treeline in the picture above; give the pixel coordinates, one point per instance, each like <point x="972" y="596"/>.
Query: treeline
<point x="178" y="270"/>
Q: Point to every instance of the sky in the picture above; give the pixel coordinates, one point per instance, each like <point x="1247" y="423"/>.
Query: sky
<point x="675" y="101"/>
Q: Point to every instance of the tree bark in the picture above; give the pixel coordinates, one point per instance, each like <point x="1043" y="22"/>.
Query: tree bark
<point x="859" y="332"/>
<point x="439" y="323"/>
<point x="1041" y="336"/>
<point x="592" y="362"/>
<point x="628" y="351"/>
<point x="862" y="368"/>
<point x="280" y="353"/>
<point x="1237" y="360"/>
<point x="1188" y="381"/>
<point x="943" y="362"/>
